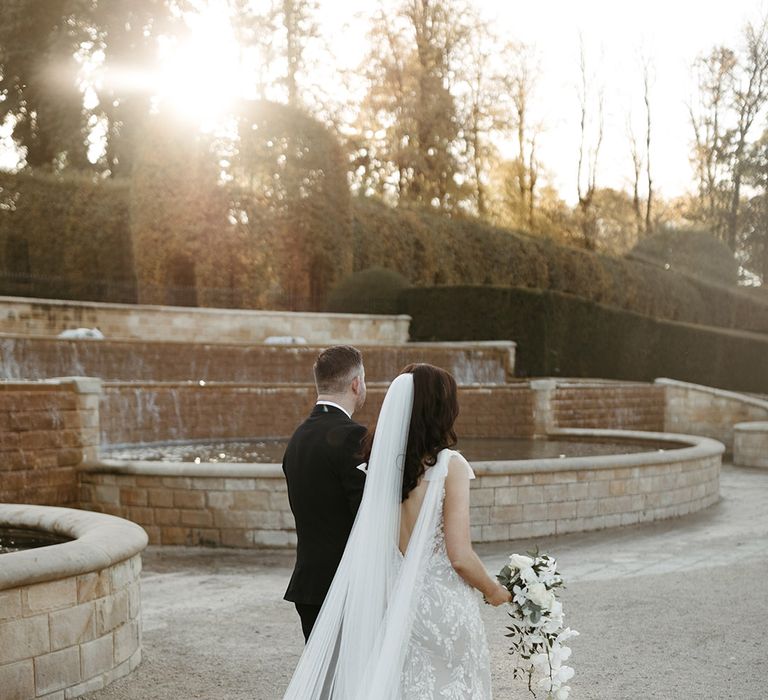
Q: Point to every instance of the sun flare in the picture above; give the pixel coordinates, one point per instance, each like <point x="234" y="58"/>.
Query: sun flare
<point x="200" y="78"/>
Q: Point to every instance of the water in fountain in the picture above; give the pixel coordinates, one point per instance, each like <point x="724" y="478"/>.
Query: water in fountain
<point x="271" y="451"/>
<point x="17" y="539"/>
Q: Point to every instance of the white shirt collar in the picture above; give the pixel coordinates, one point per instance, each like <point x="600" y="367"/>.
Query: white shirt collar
<point x="335" y="405"/>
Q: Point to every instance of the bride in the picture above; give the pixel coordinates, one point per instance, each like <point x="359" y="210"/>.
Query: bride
<point x="401" y="620"/>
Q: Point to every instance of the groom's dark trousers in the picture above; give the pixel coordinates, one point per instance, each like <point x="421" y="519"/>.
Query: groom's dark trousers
<point x="325" y="488"/>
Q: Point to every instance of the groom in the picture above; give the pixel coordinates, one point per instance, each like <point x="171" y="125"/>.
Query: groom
<point x="325" y="486"/>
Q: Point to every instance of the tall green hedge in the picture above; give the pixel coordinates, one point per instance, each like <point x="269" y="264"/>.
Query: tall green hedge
<point x="434" y="250"/>
<point x="65" y="237"/>
<point x="75" y="235"/>
<point x="562" y="335"/>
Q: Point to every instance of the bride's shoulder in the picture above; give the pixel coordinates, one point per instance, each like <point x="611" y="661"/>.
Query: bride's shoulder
<point x="458" y="462"/>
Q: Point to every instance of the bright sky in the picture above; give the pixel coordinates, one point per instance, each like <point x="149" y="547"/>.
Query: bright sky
<point x="672" y="33"/>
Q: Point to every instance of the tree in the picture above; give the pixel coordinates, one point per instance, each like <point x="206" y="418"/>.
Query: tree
<point x="649" y="179"/>
<point x="38" y="79"/>
<point x="752" y="237"/>
<point x="642" y="159"/>
<point x="409" y="118"/>
<point x="125" y="33"/>
<point x="750" y="91"/>
<point x="732" y="96"/>
<point x="520" y="83"/>
<point x="281" y="32"/>
<point x="43" y="46"/>
<point x="591" y="139"/>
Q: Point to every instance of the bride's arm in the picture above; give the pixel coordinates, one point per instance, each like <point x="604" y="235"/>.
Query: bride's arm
<point x="457" y="540"/>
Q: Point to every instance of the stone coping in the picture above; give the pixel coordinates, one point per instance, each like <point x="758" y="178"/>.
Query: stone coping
<point x="693" y="447"/>
<point x="722" y="393"/>
<point x="100" y="541"/>
<point x="20" y="383"/>
<point x="80" y="385"/>
<point x="752" y="426"/>
<point x="232" y="470"/>
<point x="37" y="301"/>
<point x="483" y="344"/>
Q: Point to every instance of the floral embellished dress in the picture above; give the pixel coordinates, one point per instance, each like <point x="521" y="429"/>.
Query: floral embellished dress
<point x="447" y="657"/>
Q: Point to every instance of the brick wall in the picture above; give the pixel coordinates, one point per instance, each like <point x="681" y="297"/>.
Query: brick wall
<point x="46" y="431"/>
<point x="199" y="325"/>
<point x="618" y="406"/>
<point x="162" y="412"/>
<point x="25" y="357"/>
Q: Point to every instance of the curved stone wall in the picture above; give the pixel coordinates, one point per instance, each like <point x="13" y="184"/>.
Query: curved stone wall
<point x="246" y="505"/>
<point x="536" y="498"/>
<point x="706" y="410"/>
<point x="69" y="613"/>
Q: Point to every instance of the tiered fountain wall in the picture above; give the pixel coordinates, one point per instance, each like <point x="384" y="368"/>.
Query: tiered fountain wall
<point x="168" y="390"/>
<point x="48" y="317"/>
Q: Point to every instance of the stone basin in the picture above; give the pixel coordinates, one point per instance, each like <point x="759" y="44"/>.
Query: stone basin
<point x="69" y="612"/>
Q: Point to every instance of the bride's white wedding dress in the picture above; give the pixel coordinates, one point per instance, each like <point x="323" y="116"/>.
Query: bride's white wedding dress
<point x="396" y="627"/>
<point x="447" y="656"/>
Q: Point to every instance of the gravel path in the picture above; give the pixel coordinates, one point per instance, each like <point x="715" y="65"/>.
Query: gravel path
<point x="672" y="610"/>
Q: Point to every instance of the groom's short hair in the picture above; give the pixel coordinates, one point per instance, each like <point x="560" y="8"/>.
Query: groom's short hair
<point x="336" y="367"/>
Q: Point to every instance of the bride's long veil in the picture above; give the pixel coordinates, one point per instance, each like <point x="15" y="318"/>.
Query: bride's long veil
<point x="358" y="644"/>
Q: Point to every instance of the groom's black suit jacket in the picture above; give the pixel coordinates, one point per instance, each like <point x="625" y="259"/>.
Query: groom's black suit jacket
<point x="324" y="489"/>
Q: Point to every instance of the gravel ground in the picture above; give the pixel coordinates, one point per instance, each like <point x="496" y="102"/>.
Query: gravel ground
<point x="671" y="610"/>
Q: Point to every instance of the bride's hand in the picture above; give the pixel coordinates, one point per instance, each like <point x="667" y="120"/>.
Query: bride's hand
<point x="500" y="595"/>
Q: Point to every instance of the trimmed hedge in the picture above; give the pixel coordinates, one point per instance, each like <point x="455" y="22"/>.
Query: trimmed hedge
<point x="65" y="237"/>
<point x="430" y="250"/>
<point x="75" y="235"/>
<point x="562" y="335"/>
<point x="373" y="291"/>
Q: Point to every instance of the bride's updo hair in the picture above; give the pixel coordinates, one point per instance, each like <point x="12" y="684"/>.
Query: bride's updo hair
<point x="435" y="409"/>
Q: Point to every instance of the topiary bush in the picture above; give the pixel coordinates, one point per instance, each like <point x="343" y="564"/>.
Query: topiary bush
<point x="373" y="291"/>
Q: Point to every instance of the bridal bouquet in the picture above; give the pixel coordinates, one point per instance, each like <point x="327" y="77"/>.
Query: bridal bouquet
<point x="537" y="631"/>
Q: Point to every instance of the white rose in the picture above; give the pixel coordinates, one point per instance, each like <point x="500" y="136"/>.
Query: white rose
<point x="528" y="575"/>
<point x="520" y="561"/>
<point x="539" y="595"/>
<point x="562" y="693"/>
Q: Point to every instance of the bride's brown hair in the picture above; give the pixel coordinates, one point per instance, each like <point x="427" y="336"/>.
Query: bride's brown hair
<point x="435" y="409"/>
